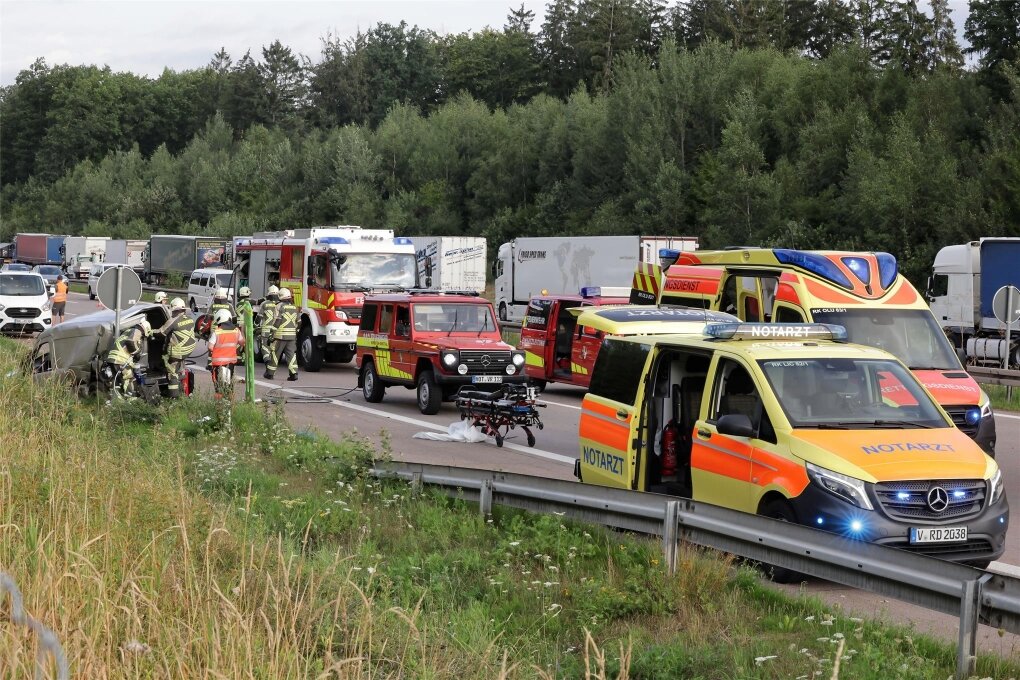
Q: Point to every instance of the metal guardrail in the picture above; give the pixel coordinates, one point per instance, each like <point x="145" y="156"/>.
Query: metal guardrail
<point x="995" y="376"/>
<point x="974" y="595"/>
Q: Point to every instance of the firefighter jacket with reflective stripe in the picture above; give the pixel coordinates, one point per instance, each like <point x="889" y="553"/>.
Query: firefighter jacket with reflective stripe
<point x="266" y="314"/>
<point x="285" y="321"/>
<point x="180" y="334"/>
<point x="61" y="292"/>
<point x="217" y="306"/>
<point x="126" y="347"/>
<point x="223" y="345"/>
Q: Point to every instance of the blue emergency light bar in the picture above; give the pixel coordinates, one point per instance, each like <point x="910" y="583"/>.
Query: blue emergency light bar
<point x="403" y="241"/>
<point x="776" y="331"/>
<point x="814" y="263"/>
<point x="669" y="252"/>
<point x="605" y="291"/>
<point x="333" y="240"/>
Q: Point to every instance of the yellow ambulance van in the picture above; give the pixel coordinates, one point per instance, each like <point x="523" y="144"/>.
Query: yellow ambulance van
<point x="863" y="292"/>
<point x="792" y="422"/>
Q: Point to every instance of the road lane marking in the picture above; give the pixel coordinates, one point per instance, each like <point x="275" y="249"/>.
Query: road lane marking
<point x="548" y="455"/>
<point x="557" y="403"/>
<point x="1005" y="569"/>
<point x="1007" y="415"/>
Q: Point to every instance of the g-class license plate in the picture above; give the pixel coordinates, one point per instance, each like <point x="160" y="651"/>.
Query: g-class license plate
<point x="937" y="534"/>
<point x="487" y="379"/>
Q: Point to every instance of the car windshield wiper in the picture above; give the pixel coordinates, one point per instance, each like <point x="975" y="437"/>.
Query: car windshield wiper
<point x="883" y="423"/>
<point x="822" y="426"/>
<point x="456" y="313"/>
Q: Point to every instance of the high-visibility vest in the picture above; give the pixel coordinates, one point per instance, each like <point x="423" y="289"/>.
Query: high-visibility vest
<point x="285" y="321"/>
<point x="61" y="293"/>
<point x="181" y="338"/>
<point x="223" y="349"/>
<point x="217" y="306"/>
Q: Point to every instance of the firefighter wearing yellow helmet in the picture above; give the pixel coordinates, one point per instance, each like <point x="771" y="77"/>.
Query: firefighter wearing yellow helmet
<point x="265" y="328"/>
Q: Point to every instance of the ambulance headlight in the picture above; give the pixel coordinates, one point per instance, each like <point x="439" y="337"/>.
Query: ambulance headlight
<point x="510" y="369"/>
<point x="986" y="406"/>
<point x="997" y="487"/>
<point x="518" y="359"/>
<point x="847" y="488"/>
<point x="462" y="369"/>
<point x="449" y="359"/>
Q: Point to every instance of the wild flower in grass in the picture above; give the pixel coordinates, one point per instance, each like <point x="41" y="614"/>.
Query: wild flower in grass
<point x="809" y="618"/>
<point x="555" y="609"/>
<point x="856" y="620"/>
<point x="759" y="660"/>
<point x="837" y="636"/>
<point x="826" y="622"/>
<point x="559" y="514"/>
<point x="526" y="573"/>
<point x="822" y="639"/>
<point x="370" y="570"/>
<point x="514" y="544"/>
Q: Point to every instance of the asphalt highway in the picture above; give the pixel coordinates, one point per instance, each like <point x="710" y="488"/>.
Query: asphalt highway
<point x="330" y="402"/>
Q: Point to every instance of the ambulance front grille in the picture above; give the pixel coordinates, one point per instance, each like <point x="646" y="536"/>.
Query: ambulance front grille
<point x="485" y="362"/>
<point x="971" y="549"/>
<point x="909" y="500"/>
<point x="959" y="416"/>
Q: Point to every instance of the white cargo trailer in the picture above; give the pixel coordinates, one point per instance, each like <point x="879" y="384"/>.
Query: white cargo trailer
<point x="562" y="265"/>
<point x="81" y="252"/>
<point x="450" y="262"/>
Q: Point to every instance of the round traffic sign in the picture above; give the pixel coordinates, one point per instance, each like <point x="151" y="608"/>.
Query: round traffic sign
<point x="1006" y="295"/>
<point x="130" y="288"/>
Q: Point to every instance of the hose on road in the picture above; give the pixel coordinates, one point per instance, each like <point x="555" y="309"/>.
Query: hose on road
<point x="277" y="396"/>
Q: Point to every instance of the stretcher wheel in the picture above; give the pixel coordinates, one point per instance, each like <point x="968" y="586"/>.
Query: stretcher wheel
<point x="540" y="425"/>
<point x="531" y="436"/>
<point x="499" y="440"/>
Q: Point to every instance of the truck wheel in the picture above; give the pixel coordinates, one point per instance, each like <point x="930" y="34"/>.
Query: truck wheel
<point x="312" y="356"/>
<point x="371" y="386"/>
<point x="92" y="296"/>
<point x="430" y="397"/>
<point x="782" y="511"/>
<point x="502" y="311"/>
<point x="194" y="307"/>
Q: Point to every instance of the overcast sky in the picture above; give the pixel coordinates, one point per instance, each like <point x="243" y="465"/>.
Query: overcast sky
<point x="144" y="36"/>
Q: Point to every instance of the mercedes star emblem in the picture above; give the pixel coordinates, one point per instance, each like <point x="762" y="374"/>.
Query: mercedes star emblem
<point x="486" y="360"/>
<point x="938" y="499"/>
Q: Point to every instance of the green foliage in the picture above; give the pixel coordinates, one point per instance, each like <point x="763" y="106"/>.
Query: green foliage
<point x="612" y="117"/>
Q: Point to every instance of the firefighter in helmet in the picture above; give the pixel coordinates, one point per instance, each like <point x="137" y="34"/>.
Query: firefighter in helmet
<point x="219" y="302"/>
<point x="284" y="328"/>
<point x="127" y="350"/>
<point x="179" y="332"/>
<point x="266" y="313"/>
<point x="162" y="299"/>
<point x="225" y="341"/>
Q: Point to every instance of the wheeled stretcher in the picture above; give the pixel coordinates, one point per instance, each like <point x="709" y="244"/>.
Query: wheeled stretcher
<point x="498" y="412"/>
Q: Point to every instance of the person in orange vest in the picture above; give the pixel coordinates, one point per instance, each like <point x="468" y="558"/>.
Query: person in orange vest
<point x="59" y="299"/>
<point x="225" y="342"/>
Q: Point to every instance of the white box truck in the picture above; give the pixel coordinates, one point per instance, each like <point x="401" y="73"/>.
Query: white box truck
<point x="450" y="263"/>
<point x="80" y="252"/>
<point x="562" y="265"/>
<point x="130" y="252"/>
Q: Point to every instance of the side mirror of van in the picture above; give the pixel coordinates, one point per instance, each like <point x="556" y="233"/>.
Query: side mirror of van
<point x="735" y="425"/>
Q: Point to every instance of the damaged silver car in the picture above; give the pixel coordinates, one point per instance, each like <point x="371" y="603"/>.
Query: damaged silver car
<point x="76" y="351"/>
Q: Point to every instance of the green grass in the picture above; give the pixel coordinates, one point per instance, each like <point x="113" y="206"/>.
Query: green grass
<point x="1000" y="400"/>
<point x="240" y="547"/>
<point x="80" y="287"/>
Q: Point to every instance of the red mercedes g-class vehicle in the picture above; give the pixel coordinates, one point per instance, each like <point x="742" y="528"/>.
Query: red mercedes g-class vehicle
<point x="432" y="342"/>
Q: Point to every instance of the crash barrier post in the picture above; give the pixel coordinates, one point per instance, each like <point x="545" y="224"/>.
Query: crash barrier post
<point x="485" y="498"/>
<point x="670" y="524"/>
<point x="249" y="354"/>
<point x="910" y="577"/>
<point x="48" y="645"/>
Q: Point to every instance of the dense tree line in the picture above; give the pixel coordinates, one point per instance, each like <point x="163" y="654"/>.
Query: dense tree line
<point x="787" y="122"/>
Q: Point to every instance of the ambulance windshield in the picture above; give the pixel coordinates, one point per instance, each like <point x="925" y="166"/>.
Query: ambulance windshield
<point x="911" y="335"/>
<point x="372" y="270"/>
<point x="850" y="394"/>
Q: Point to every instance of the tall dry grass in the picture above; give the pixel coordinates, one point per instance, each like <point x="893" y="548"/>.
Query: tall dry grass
<point x="141" y="577"/>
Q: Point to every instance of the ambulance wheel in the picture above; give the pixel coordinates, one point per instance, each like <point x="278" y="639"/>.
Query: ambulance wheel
<point x="502" y="311"/>
<point x="430" y="397"/>
<point x="371" y="386"/>
<point x="531" y="437"/>
<point x="312" y="356"/>
<point x="782" y="511"/>
<point x="194" y="307"/>
<point x="499" y="440"/>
